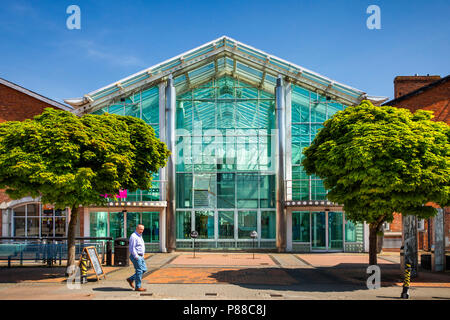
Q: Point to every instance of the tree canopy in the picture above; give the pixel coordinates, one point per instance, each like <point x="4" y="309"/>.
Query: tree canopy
<point x="70" y="161"/>
<point x="379" y="160"/>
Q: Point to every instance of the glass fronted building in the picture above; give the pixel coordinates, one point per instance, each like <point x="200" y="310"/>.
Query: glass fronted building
<point x="236" y="120"/>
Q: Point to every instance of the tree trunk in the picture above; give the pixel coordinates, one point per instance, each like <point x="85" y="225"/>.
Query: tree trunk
<point x="373" y="228"/>
<point x="71" y="238"/>
<point x="409" y="230"/>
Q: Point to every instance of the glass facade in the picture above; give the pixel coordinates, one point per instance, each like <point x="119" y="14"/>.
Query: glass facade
<point x="225" y="137"/>
<point x="309" y="111"/>
<point x="143" y="104"/>
<point x="225" y="169"/>
<point x="119" y="222"/>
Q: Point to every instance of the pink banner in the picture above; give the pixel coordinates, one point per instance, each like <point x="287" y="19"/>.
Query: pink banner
<point x="122" y="194"/>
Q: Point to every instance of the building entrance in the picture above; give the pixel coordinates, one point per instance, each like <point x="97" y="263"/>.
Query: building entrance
<point x="327" y="232"/>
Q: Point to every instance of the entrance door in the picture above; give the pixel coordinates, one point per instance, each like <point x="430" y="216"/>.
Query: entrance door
<point x="318" y="231"/>
<point x="335" y="231"/>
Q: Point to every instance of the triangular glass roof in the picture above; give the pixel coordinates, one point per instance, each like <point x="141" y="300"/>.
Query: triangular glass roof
<point x="223" y="56"/>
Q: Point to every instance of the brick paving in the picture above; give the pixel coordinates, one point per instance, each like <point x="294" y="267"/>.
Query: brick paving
<point x="269" y="276"/>
<point x="224" y="259"/>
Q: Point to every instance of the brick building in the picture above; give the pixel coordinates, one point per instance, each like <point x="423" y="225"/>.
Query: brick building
<point x="17" y="104"/>
<point x="414" y="93"/>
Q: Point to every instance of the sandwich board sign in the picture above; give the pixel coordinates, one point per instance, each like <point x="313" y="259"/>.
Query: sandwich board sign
<point x="95" y="261"/>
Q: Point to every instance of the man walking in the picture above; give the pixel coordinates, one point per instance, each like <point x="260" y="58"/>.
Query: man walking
<point x="137" y="250"/>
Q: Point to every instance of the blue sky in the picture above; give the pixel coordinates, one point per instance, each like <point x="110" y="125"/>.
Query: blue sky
<point x="119" y="38"/>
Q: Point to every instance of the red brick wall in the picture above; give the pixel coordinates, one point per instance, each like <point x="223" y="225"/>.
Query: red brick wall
<point x="18" y="106"/>
<point x="407" y="84"/>
<point x="396" y="224"/>
<point x="436" y="99"/>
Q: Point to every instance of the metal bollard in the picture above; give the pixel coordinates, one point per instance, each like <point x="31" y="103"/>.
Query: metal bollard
<point x="406" y="281"/>
<point x="83" y="268"/>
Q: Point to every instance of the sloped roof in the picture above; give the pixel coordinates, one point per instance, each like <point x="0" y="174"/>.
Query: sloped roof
<point x="35" y="95"/>
<point x="223" y="56"/>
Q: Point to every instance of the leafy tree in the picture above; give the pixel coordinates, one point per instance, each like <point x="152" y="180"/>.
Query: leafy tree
<point x="70" y="161"/>
<point x="379" y="160"/>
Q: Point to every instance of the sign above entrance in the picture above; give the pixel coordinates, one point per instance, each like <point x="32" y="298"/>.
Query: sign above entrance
<point x="311" y="203"/>
<point x="138" y="204"/>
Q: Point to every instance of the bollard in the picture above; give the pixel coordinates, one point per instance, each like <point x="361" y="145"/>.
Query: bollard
<point x="83" y="268"/>
<point x="406" y="281"/>
<point x="9" y="261"/>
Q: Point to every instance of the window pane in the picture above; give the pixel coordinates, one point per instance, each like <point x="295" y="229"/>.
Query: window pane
<point x="204" y="224"/>
<point x="350" y="231"/>
<point x="300" y="226"/>
<point x="47" y="226"/>
<point x="116" y="220"/>
<point x="19" y="227"/>
<point x="33" y="210"/>
<point x="247" y="185"/>
<point x="184" y="190"/>
<point x="226" y="224"/>
<point x="60" y="227"/>
<point x="246" y="223"/>
<point x="133" y="219"/>
<point x="150" y="105"/>
<point x="335" y="238"/>
<point x="19" y="211"/>
<point x="268" y="227"/>
<point x="33" y="227"/>
<point x="150" y="220"/>
<point x="267" y="191"/>
<point x="318" y="112"/>
<point x="183" y="221"/>
<point x="98" y="224"/>
<point x="226" y="190"/>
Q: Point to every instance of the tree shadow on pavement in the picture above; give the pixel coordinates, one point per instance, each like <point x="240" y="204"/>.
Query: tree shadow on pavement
<point x="340" y="278"/>
<point x="20" y="274"/>
<point x="110" y="289"/>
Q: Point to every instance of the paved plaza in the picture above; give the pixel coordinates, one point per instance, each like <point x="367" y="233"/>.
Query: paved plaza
<point x="230" y="276"/>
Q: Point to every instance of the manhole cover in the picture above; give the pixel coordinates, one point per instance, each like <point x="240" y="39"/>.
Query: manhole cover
<point x="146" y="294"/>
<point x="273" y="295"/>
<point x="211" y="294"/>
<point x="264" y="264"/>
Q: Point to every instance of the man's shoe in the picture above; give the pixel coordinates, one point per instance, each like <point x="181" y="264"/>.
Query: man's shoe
<point x="130" y="282"/>
<point x="140" y="289"/>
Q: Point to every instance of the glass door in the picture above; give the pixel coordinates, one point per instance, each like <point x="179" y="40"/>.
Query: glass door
<point x="133" y="219"/>
<point x="226" y="224"/>
<point x="335" y="231"/>
<point x="318" y="231"/>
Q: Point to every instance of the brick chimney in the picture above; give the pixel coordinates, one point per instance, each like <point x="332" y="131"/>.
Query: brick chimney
<point x="406" y="84"/>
